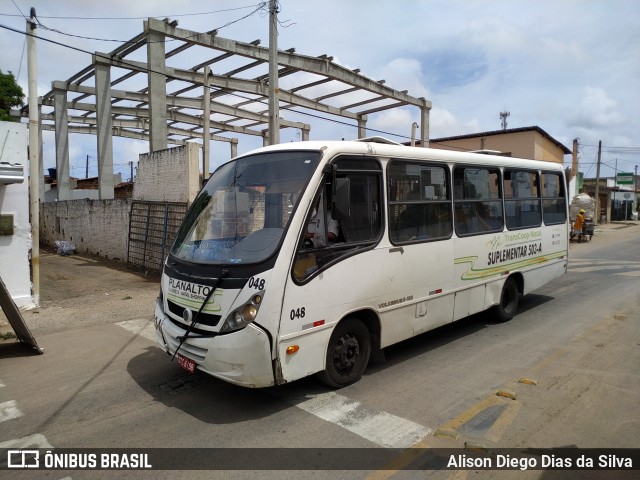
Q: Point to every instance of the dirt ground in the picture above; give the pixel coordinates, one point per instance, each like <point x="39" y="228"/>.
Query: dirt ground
<point x="77" y="291"/>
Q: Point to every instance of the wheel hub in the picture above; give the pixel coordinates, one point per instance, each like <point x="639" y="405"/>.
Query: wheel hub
<point x="346" y="353"/>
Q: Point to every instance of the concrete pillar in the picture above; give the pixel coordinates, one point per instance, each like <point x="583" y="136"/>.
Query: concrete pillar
<point x="62" y="139"/>
<point x="305" y="132"/>
<point x="105" y="123"/>
<point x="424" y="126"/>
<point x="157" y="91"/>
<point x="206" y="122"/>
<point x="234" y="147"/>
<point x="362" y="126"/>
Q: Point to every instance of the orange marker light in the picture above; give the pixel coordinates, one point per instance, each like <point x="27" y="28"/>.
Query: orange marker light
<point x="292" y="349"/>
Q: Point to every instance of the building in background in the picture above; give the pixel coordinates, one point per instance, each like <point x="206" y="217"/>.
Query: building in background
<point x="526" y="142"/>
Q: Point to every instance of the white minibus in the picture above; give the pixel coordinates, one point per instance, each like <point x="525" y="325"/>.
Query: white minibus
<point x="311" y="257"/>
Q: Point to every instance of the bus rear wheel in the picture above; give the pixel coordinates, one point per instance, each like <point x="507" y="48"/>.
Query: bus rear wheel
<point x="347" y="354"/>
<point x="508" y="305"/>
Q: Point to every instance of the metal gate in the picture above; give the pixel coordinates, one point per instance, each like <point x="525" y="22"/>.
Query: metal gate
<point x="152" y="228"/>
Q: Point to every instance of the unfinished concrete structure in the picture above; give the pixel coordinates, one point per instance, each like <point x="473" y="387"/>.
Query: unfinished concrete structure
<point x="133" y="92"/>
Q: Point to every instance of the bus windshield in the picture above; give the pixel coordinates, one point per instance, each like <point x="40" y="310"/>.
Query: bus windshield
<point x="240" y="215"/>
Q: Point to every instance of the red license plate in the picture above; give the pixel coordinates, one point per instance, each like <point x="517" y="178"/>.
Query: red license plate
<point x="186" y="363"/>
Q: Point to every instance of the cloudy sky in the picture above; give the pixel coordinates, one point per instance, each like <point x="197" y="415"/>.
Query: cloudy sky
<point x="571" y="67"/>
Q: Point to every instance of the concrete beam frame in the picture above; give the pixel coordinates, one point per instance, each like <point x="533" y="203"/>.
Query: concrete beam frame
<point x="159" y="118"/>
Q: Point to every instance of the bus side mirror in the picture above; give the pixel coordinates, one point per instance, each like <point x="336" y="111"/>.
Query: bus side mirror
<point x="341" y="199"/>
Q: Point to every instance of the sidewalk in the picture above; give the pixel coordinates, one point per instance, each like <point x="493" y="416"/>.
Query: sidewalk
<point x="603" y="227"/>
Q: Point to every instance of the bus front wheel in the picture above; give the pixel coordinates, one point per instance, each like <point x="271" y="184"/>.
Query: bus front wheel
<point x="347" y="354"/>
<point x="506" y="309"/>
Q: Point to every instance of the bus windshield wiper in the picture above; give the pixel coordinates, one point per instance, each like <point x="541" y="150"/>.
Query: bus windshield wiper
<point x="223" y="274"/>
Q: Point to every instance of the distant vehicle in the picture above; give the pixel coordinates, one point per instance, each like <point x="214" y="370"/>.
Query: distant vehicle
<point x="424" y="237"/>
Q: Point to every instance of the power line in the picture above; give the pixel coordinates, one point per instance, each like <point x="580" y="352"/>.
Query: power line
<point x="21" y="14"/>
<point x="620" y="150"/>
<point x="60" y="17"/>
<point x="259" y="7"/>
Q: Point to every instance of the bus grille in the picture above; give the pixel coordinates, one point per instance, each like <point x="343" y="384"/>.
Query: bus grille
<point x="203" y="318"/>
<point x="187" y="349"/>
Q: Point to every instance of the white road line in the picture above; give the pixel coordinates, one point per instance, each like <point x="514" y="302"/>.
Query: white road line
<point x="9" y="411"/>
<point x="143" y="327"/>
<point x="378" y="427"/>
<point x="36" y="440"/>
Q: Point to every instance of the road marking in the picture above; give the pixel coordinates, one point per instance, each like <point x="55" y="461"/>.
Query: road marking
<point x="9" y="411"/>
<point x="36" y="440"/>
<point x="378" y="427"/>
<point x="142" y="326"/>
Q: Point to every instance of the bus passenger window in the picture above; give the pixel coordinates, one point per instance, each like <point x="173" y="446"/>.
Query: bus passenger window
<point x="522" y="199"/>
<point x="419" y="202"/>
<point x="478" y="200"/>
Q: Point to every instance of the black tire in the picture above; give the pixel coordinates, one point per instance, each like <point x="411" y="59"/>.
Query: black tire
<point x="347" y="354"/>
<point x="506" y="309"/>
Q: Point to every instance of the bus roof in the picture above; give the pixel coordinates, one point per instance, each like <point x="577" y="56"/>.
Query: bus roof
<point x="373" y="146"/>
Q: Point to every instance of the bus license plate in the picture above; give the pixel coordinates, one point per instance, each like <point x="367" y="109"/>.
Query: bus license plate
<point x="186" y="363"/>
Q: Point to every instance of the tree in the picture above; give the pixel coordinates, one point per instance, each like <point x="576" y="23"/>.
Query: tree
<point x="11" y="95"/>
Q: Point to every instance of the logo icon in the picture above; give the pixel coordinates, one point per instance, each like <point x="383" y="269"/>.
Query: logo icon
<point x="23" y="459"/>
<point x="187" y="315"/>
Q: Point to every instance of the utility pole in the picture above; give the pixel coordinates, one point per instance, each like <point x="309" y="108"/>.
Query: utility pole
<point x="274" y="108"/>
<point x="34" y="157"/>
<point x="86" y="168"/>
<point x="635" y="190"/>
<point x="597" y="213"/>
<point x="131" y="166"/>
<point x="574" y="167"/>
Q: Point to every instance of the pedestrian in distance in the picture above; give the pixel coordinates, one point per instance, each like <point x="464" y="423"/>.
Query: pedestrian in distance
<point x="577" y="225"/>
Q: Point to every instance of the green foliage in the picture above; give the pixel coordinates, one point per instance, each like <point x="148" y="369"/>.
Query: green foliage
<point x="11" y="95"/>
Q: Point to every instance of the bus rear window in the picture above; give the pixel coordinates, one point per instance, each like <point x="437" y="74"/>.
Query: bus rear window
<point x="554" y="203"/>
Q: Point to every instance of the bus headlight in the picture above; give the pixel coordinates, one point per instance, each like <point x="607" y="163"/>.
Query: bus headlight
<point x="242" y="316"/>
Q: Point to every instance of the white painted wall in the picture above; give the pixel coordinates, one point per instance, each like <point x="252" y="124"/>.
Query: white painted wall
<point x="14" y="199"/>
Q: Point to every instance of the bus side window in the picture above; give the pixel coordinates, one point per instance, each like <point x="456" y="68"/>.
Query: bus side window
<point x="478" y="200"/>
<point x="359" y="228"/>
<point x="522" y="199"/>
<point x="419" y="202"/>
<point x="363" y="222"/>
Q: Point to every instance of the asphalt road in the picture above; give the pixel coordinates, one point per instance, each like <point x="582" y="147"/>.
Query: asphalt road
<point x="565" y="367"/>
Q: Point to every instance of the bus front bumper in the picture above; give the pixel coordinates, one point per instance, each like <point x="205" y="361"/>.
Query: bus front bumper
<point x="242" y="357"/>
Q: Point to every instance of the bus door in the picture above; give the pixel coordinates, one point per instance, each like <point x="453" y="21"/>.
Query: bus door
<point x="421" y="252"/>
<point x="334" y="268"/>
